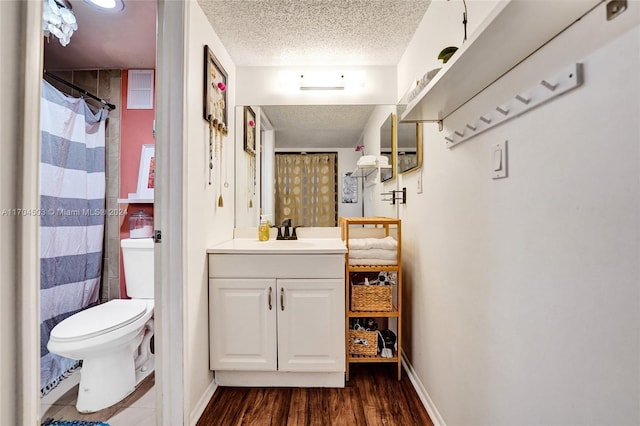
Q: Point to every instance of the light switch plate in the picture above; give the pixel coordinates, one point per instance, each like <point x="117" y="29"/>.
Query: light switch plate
<point x="499" y="160"/>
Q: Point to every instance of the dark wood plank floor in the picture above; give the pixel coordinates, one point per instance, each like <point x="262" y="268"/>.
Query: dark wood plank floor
<point x="373" y="396"/>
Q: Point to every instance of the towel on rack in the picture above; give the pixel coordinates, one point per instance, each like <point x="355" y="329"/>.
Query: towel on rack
<point x="388" y="243"/>
<point x="382" y="254"/>
<point x="368" y="160"/>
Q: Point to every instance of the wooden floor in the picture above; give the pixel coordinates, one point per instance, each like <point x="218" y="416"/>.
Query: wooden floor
<point x="373" y="396"/>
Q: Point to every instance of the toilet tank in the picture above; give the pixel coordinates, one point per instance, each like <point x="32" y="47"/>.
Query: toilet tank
<point x="137" y="255"/>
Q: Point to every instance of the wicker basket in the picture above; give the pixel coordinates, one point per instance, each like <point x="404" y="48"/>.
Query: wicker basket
<point x="371" y="298"/>
<point x="368" y="349"/>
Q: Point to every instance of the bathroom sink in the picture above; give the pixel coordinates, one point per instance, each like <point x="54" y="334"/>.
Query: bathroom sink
<point x="284" y="244"/>
<point x="304" y="246"/>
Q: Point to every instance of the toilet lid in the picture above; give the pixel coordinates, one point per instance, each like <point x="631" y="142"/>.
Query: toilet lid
<point x="99" y="319"/>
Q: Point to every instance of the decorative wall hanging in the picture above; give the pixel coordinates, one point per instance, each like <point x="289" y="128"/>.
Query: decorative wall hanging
<point x="215" y="111"/>
<point x="215" y="89"/>
<point x="249" y="130"/>
<point x="250" y="148"/>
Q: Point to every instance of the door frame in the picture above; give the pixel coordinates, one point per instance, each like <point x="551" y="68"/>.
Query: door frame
<point x="168" y="209"/>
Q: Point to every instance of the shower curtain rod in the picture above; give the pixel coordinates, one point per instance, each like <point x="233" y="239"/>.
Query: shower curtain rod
<point x="110" y="106"/>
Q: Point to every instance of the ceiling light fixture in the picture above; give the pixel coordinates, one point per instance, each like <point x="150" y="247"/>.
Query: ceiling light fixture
<point x="322" y="80"/>
<point x="107" y="5"/>
<point x="59" y="20"/>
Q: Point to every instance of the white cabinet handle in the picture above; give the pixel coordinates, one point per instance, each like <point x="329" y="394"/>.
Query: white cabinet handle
<point x="270" y="304"/>
<point x="282" y="298"/>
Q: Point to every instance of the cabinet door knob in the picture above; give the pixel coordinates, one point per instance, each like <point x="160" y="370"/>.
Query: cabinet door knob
<point x="282" y="298"/>
<point x="270" y="304"/>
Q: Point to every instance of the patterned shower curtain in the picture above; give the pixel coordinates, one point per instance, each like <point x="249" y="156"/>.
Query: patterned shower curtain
<point x="72" y="202"/>
<point x="306" y="189"/>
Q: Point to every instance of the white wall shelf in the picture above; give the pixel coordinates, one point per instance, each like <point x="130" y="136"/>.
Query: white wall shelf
<point x="135" y="200"/>
<point x="513" y="31"/>
<point x="365" y="171"/>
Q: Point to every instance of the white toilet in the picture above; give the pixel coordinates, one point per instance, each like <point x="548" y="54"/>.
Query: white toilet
<point x="113" y="339"/>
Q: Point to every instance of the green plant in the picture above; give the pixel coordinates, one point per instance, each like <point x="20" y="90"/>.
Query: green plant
<point x="446" y="53"/>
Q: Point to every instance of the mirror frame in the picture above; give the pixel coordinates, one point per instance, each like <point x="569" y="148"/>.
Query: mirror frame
<point x="419" y="141"/>
<point x="394" y="140"/>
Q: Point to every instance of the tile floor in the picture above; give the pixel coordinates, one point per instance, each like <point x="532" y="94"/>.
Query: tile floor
<point x="136" y="409"/>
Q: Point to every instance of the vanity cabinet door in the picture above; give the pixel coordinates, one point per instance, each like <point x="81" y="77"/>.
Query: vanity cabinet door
<point x="242" y="323"/>
<point x="311" y="325"/>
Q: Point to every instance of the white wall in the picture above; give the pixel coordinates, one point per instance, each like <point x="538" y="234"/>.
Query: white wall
<point x="206" y="223"/>
<point x="523" y="293"/>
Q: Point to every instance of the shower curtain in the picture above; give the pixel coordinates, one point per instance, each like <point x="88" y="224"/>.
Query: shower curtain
<point x="306" y="189"/>
<point x="72" y="202"/>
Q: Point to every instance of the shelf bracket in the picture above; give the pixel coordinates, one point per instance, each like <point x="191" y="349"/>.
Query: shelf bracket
<point x="566" y="80"/>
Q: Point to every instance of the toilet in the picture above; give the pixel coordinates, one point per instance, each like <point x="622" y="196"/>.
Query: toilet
<point x="113" y="339"/>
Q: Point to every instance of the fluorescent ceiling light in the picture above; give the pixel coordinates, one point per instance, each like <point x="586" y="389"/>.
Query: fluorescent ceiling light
<point x="109" y="5"/>
<point x="322" y="80"/>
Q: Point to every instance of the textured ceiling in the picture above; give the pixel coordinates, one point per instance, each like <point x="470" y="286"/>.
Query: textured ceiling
<point x="320" y="126"/>
<point x="315" y="32"/>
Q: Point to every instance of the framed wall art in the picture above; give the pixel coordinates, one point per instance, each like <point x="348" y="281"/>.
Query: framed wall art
<point x="349" y="188"/>
<point x="215" y="90"/>
<point x="146" y="172"/>
<point x="249" y="130"/>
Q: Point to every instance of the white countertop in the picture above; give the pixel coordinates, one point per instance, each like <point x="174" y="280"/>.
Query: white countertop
<point x="298" y="247"/>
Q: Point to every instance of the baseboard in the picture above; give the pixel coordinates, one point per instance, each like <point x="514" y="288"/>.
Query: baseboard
<point x="194" y="416"/>
<point x="436" y="418"/>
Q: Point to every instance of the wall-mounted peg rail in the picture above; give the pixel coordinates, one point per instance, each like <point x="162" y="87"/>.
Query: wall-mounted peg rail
<point x="547" y="89"/>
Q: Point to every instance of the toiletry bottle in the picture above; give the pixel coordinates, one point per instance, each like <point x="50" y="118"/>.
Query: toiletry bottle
<point x="264" y="229"/>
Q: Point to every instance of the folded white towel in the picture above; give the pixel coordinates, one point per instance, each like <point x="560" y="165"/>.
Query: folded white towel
<point x="368" y="160"/>
<point x="373" y="254"/>
<point x="383" y="160"/>
<point x="388" y="243"/>
<point x="376" y="262"/>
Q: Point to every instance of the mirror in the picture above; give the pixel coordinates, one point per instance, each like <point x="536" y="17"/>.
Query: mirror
<point x="409" y="147"/>
<point x="387" y="144"/>
<point x="302" y="128"/>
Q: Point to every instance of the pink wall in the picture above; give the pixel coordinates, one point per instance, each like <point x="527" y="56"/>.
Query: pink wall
<point x="136" y="129"/>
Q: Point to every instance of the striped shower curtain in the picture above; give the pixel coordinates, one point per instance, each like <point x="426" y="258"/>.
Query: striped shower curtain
<point x="72" y="202"/>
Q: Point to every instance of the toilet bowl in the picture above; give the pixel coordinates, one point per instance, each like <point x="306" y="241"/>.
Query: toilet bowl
<point x="113" y="339"/>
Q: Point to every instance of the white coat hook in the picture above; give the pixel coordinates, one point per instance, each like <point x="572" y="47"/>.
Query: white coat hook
<point x="548" y="85"/>
<point x="448" y="139"/>
<point x="502" y="111"/>
<point x="525" y="100"/>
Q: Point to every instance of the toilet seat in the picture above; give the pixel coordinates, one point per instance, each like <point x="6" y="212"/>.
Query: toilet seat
<point x="99" y="319"/>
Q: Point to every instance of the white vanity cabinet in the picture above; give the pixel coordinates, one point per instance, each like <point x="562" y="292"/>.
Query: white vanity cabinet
<point x="242" y="319"/>
<point x="283" y="324"/>
<point x="276" y="317"/>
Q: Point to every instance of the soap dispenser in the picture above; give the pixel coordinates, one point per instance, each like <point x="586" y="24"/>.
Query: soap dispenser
<point x="264" y="230"/>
